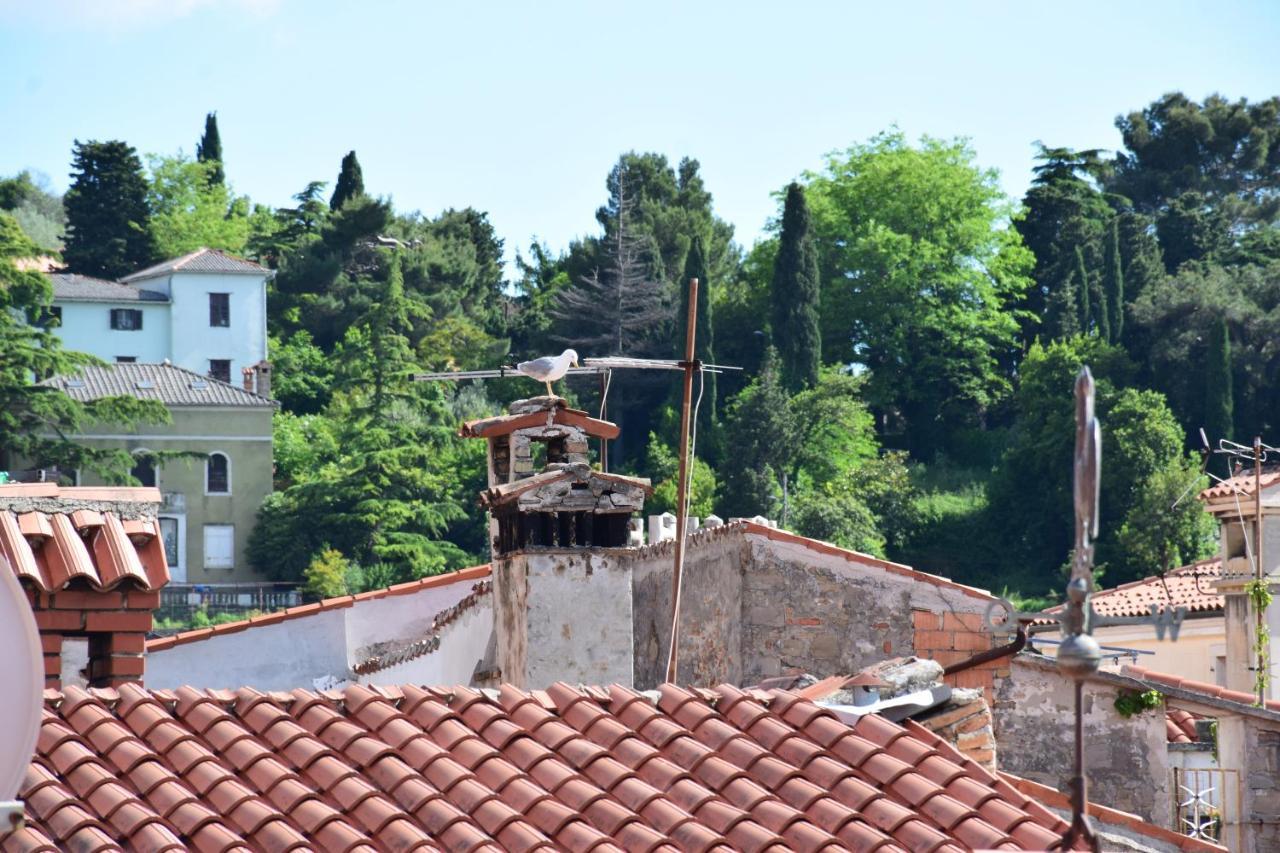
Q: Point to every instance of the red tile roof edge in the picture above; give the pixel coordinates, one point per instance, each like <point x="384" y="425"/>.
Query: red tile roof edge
<point x="864" y="559"/>
<point x="1180" y="726"/>
<point x="1056" y="799"/>
<point x="1191" y="686"/>
<point x="1151" y="580"/>
<point x="472" y="573"/>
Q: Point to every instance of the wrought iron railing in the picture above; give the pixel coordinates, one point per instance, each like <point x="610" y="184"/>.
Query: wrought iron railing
<point x="181" y="601"/>
<point x="1206" y="804"/>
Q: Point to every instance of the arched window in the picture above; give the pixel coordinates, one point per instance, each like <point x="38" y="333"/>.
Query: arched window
<point x="217" y="474"/>
<point x="144" y="469"/>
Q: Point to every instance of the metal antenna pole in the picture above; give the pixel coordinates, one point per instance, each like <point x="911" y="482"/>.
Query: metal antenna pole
<point x="682" y="488"/>
<point x="1258" y="570"/>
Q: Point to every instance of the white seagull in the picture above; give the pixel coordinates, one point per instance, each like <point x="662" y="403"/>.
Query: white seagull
<point x="549" y="368"/>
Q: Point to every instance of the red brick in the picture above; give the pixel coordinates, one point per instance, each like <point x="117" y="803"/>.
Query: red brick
<point x="118" y="620"/>
<point x="52" y="665"/>
<point x="946" y="657"/>
<point x="972" y="642"/>
<point x="963" y="621"/>
<point x="79" y="599"/>
<point x="141" y="600"/>
<point x="934" y="640"/>
<point x="51" y="643"/>
<point x="925" y="620"/>
<point x="888" y="647"/>
<point x="53" y="681"/>
<point x="116" y="681"/>
<point x="804" y="621"/>
<point x="128" y="643"/>
<point x="59" y="620"/>
<point x="124" y="665"/>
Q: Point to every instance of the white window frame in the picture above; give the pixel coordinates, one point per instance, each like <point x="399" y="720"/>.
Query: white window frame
<point x="178" y="570"/>
<point x="155" y="465"/>
<point x="231" y="528"/>
<point x="209" y="456"/>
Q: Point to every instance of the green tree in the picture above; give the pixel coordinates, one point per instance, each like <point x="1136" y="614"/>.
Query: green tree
<point x="796" y="291"/>
<point x="350" y="182"/>
<point x="1218" y="404"/>
<point x="1113" y="287"/>
<point x="38" y="421"/>
<point x="209" y="149"/>
<point x="761" y="430"/>
<point x="36" y="207"/>
<point x="923" y="278"/>
<point x="704" y="348"/>
<point x="303" y="380"/>
<point x="1083" y="287"/>
<point x="1165" y="529"/>
<point x="663" y="465"/>
<point x="326" y="576"/>
<point x="108" y="219"/>
<point x="191" y="208"/>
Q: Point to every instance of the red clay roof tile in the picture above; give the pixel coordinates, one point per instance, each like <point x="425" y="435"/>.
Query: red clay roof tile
<point x="569" y="769"/>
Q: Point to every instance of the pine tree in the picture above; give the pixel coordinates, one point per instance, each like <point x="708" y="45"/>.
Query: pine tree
<point x="1219" y="405"/>
<point x="1115" y="282"/>
<point x="695" y="266"/>
<point x="1082" y="292"/>
<point x="350" y="182"/>
<point x="795" y="294"/>
<point x="108" y="221"/>
<point x="209" y="149"/>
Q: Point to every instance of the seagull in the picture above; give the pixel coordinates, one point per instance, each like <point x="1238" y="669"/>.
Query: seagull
<point x="549" y="368"/>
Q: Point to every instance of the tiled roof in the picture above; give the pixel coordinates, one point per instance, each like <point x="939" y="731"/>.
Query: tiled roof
<point x="1180" y="726"/>
<point x="51" y="548"/>
<point x="201" y="260"/>
<point x="1180" y="588"/>
<point x="576" y="769"/>
<point x="507" y="424"/>
<point x="1241" y="484"/>
<point x="167" y="383"/>
<point x="1213" y="691"/>
<point x="473" y="574"/>
<point x="72" y="287"/>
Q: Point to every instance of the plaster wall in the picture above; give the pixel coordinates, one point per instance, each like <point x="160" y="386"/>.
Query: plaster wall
<point x="463" y="646"/>
<point x="86" y="327"/>
<point x="370" y="621"/>
<point x="1127" y="759"/>
<point x="280" y="656"/>
<point x="244" y="342"/>
<point x="1194" y="655"/>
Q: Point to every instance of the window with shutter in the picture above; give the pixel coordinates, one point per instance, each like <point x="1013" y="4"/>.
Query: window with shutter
<point x="219" y="546"/>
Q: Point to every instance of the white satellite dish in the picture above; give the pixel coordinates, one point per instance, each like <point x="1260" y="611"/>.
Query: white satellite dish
<point x="22" y="677"/>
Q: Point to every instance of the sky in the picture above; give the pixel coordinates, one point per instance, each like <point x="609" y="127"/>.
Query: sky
<point x="520" y="109"/>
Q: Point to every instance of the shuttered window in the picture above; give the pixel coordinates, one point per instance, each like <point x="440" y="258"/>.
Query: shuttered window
<point x="219" y="546"/>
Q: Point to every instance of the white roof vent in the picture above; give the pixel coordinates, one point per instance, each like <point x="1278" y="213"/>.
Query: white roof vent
<point x="144" y="385"/>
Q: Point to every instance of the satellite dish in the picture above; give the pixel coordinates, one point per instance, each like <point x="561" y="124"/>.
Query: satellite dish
<point x="22" y="674"/>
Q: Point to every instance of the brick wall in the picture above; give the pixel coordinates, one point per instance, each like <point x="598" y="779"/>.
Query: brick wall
<point x="115" y="623"/>
<point x="952" y="637"/>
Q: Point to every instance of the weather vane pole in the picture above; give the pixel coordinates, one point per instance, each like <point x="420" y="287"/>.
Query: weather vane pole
<point x="1079" y="654"/>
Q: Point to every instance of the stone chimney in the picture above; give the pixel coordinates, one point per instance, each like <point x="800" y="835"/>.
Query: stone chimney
<point x="1234" y="504"/>
<point x="264" y="378"/>
<point x="92" y="563"/>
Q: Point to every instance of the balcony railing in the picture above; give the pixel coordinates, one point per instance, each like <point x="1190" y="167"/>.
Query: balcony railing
<point x="181" y="601"/>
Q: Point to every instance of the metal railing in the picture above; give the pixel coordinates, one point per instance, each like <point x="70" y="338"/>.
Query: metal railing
<point x="183" y="600"/>
<point x="1206" y="805"/>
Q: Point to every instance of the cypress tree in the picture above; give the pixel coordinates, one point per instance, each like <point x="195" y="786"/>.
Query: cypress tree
<point x="1115" y="282"/>
<point x="108" y="220"/>
<point x="795" y="294"/>
<point x="209" y="149"/>
<point x="1082" y="293"/>
<point x="1219" y="414"/>
<point x="350" y="182"/>
<point x="695" y="266"/>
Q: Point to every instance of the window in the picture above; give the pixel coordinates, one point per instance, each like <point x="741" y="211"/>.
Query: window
<point x="126" y="319"/>
<point x="217" y="475"/>
<point x="219" y="309"/>
<point x="169" y="535"/>
<point x="220" y="369"/>
<point x="219" y="546"/>
<point x="144" y="469"/>
<point x="126" y="359"/>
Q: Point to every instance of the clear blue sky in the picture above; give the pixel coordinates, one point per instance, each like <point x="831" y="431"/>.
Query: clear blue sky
<point x="519" y="109"/>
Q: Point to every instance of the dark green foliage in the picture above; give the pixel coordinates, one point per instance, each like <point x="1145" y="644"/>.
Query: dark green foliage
<point x="1219" y="407"/>
<point x="1084" y="288"/>
<point x="795" y="294"/>
<point x="762" y="440"/>
<point x="704" y="344"/>
<point x="1190" y="229"/>
<point x="350" y="182"/>
<point x="36" y="207"/>
<point x="36" y="420"/>
<point x="209" y="149"/>
<point x="108" y="233"/>
<point x="1114" y="284"/>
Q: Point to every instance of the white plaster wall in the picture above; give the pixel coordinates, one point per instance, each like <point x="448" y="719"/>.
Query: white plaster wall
<point x="393" y="617"/>
<point x="463" y="645"/>
<point x="195" y="341"/>
<point x="278" y="656"/>
<point x="579" y="619"/>
<point x="86" y="327"/>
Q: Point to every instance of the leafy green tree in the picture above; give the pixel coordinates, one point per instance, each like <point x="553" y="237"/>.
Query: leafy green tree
<point x="835" y="433"/>
<point x="1113" y="286"/>
<point x="350" y="182"/>
<point x="1191" y="229"/>
<point x="108" y="218"/>
<point x="796" y="291"/>
<point x="1083" y="288"/>
<point x="192" y="208"/>
<point x="663" y="465"/>
<point x="1165" y="528"/>
<point x="209" y="149"/>
<point x="923" y="278"/>
<point x="762" y="439"/>
<point x="1218" y="404"/>
<point x="36" y="207"/>
<point x="326" y="576"/>
<point x="39" y="422"/>
<point x="303" y="379"/>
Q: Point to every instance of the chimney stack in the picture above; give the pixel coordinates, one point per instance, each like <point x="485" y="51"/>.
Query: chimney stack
<point x="247" y="374"/>
<point x="264" y="379"/>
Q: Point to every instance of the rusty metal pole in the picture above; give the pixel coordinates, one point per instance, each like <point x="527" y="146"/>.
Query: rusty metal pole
<point x="682" y="487"/>
<point x="1258" y="570"/>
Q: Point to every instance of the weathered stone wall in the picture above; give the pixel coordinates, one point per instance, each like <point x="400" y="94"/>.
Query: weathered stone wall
<point x="1262" y="785"/>
<point x="510" y="624"/>
<point x="1127" y="759"/>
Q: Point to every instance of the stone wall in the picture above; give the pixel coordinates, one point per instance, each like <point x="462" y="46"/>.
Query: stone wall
<point x="1127" y="759"/>
<point x="1262" y="785"/>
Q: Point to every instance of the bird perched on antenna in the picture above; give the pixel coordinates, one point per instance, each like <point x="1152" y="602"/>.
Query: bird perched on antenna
<point x="549" y="368"/>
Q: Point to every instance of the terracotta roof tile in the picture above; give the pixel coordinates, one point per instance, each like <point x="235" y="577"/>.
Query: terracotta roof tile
<point x="1180" y="726"/>
<point x="1188" y="586"/>
<point x="201" y="260"/>
<point x="1241" y="484"/>
<point x="568" y="768"/>
<point x="1211" y="690"/>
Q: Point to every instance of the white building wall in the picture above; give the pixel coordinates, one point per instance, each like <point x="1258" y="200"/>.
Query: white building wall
<point x="195" y="342"/>
<point x="463" y="644"/>
<point x="376" y="620"/>
<point x="86" y="327"/>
